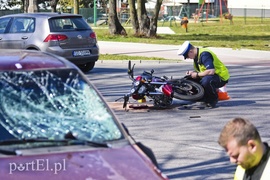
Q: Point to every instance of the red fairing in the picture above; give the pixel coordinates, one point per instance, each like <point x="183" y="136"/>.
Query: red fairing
<point x="167" y="90"/>
<point x="138" y="78"/>
<point x="137" y="96"/>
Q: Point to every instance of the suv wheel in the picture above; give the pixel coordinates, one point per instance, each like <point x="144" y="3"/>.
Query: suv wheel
<point x="87" y="67"/>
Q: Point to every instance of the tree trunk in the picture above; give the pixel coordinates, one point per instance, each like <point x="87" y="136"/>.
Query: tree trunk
<point x="32" y="7"/>
<point x="53" y="5"/>
<point x="115" y="26"/>
<point x="76" y="7"/>
<point x="133" y="16"/>
<point x="25" y="5"/>
<point x="154" y="20"/>
<point x="144" y="21"/>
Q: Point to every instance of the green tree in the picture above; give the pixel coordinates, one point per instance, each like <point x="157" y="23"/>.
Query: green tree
<point x="144" y="21"/>
<point x="143" y="25"/>
<point x="53" y="5"/>
<point x="133" y="17"/>
<point x="115" y="26"/>
<point x="76" y="6"/>
<point x="154" y="20"/>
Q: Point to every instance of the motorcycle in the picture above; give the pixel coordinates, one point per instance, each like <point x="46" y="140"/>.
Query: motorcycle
<point x="161" y="90"/>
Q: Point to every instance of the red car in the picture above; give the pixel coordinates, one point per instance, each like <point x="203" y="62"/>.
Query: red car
<point x="54" y="124"/>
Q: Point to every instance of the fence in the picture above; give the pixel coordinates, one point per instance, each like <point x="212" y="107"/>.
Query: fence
<point x="7" y="12"/>
<point x="263" y="15"/>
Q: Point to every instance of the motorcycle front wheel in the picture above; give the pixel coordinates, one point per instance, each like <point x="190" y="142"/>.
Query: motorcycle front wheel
<point x="187" y="90"/>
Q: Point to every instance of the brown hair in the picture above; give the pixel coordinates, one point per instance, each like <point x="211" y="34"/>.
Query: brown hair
<point x="241" y="129"/>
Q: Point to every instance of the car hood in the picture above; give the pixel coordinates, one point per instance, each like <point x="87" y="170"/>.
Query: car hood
<point x="90" y="164"/>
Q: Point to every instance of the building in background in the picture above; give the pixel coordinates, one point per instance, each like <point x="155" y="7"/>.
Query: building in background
<point x="250" y="8"/>
<point x="238" y="8"/>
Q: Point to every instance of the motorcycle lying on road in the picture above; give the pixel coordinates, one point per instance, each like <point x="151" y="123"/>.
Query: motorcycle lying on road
<point x="161" y="90"/>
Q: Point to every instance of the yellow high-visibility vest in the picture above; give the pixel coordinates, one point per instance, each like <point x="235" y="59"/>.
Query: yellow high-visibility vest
<point x="239" y="173"/>
<point x="220" y="69"/>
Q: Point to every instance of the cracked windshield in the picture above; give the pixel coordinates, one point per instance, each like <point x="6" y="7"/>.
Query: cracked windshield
<point x="50" y="104"/>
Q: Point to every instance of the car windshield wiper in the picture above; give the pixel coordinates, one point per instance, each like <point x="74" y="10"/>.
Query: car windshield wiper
<point x="8" y="152"/>
<point x="88" y="143"/>
<point x="75" y="141"/>
<point x="9" y="147"/>
<point x="67" y="141"/>
<point x="30" y="140"/>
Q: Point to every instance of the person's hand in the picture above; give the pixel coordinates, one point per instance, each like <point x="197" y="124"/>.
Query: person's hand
<point x="188" y="73"/>
<point x="193" y="74"/>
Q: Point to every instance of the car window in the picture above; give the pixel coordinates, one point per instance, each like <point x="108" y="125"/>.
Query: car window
<point x="22" y="25"/>
<point x="29" y="24"/>
<point x="4" y="24"/>
<point x="67" y="24"/>
<point x="17" y="26"/>
<point x="51" y="103"/>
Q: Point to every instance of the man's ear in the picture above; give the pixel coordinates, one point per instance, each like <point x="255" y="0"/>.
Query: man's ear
<point x="252" y="145"/>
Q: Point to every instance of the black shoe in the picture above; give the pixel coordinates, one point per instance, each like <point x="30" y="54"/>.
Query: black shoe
<point x="209" y="105"/>
<point x="212" y="104"/>
<point x="203" y="103"/>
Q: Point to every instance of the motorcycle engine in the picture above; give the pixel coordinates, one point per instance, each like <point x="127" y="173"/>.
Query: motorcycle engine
<point x="162" y="101"/>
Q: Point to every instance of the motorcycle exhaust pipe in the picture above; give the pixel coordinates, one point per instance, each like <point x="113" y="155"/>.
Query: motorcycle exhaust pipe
<point x="158" y="83"/>
<point x="155" y="93"/>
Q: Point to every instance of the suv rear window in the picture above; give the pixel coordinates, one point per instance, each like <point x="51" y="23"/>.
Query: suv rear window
<point x="67" y="24"/>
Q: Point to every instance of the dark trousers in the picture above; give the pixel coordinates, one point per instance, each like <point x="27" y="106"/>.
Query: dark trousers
<point x="211" y="83"/>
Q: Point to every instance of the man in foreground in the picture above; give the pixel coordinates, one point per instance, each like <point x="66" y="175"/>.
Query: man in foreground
<point x="243" y="144"/>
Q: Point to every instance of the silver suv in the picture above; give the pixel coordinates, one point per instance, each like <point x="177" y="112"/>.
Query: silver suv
<point x="66" y="35"/>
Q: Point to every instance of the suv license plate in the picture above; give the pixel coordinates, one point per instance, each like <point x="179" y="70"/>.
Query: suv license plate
<point x="81" y="53"/>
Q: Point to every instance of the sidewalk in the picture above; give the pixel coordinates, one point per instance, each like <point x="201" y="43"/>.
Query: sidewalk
<point x="165" y="30"/>
<point x="227" y="55"/>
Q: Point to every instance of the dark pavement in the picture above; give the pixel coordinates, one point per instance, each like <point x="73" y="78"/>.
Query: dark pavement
<point x="183" y="137"/>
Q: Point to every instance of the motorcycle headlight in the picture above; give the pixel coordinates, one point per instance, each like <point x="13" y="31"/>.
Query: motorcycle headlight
<point x="136" y="83"/>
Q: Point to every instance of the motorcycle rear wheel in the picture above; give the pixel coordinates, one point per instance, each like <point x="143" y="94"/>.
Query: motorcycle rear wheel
<point x="187" y="90"/>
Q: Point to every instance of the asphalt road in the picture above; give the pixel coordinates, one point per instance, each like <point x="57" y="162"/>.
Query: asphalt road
<point x="184" y="139"/>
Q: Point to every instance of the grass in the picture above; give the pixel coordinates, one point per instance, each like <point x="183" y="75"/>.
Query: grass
<point x="243" y="33"/>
